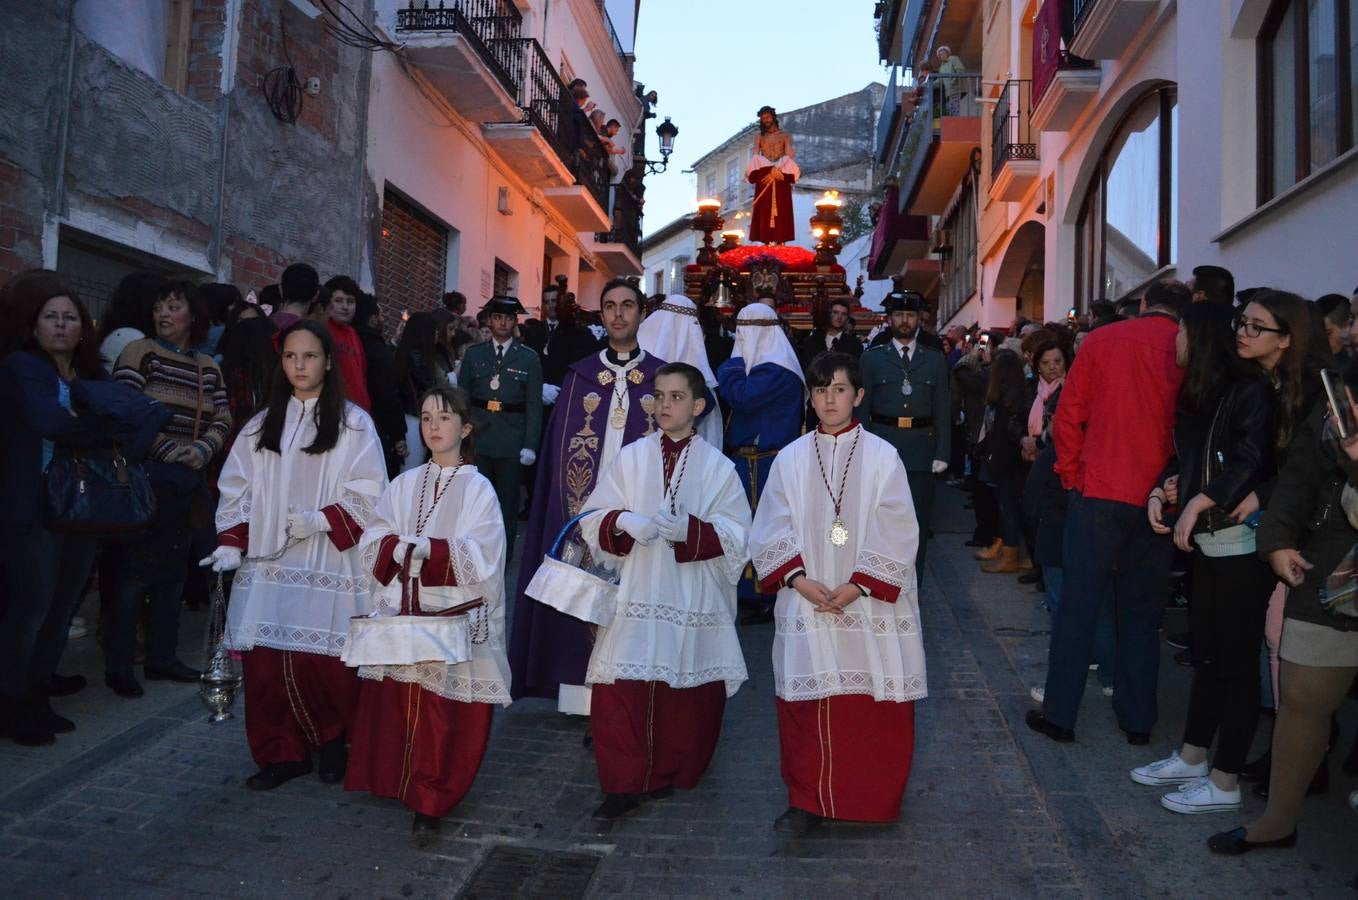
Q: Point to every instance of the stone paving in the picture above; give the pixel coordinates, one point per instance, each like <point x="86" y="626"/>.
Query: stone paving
<point x="146" y="800"/>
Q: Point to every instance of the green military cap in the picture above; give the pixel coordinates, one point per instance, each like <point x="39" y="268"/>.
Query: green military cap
<point x="903" y="301"/>
<point x="509" y="306"/>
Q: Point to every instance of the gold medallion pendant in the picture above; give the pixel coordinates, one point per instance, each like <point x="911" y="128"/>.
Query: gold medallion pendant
<point x="619" y="418"/>
<point x="495" y="382"/>
<point x="635" y="376"/>
<point x="839" y="532"/>
<point x="605" y="378"/>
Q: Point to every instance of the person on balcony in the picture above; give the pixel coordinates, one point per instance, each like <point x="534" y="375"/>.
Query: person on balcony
<point x="950" y="76"/>
<point x="772" y="170"/>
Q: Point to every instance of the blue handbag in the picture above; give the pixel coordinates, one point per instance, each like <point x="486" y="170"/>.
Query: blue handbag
<point x="98" y="493"/>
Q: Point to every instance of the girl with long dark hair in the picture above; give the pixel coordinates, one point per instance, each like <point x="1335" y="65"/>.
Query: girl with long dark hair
<point x="1238" y="406"/>
<point x="297" y="489"/>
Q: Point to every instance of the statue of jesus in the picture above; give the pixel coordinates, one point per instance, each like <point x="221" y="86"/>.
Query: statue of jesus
<point x="772" y="170"/>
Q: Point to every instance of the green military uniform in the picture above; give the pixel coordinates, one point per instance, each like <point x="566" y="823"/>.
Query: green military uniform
<point x="907" y="404"/>
<point x="504" y="385"/>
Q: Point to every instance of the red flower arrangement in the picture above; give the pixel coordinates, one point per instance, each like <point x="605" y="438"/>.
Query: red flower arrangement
<point x="793" y="259"/>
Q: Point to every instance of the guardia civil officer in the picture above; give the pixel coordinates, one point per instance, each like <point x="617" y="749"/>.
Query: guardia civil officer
<point x="503" y="378"/>
<point x="906" y="401"/>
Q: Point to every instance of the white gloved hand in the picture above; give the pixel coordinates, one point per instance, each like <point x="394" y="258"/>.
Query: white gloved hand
<point x="639" y="527"/>
<point x="223" y="559"/>
<point x="304" y="524"/>
<point x="527" y="457"/>
<point x="418" y="545"/>
<point x="672" y="526"/>
<point x="940" y="467"/>
<point x="549" y="393"/>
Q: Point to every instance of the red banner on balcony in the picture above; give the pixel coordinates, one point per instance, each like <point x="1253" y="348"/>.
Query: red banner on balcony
<point x="1046" y="47"/>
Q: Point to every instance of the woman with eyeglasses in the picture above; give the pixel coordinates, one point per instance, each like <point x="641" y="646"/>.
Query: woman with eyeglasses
<point x="1243" y="395"/>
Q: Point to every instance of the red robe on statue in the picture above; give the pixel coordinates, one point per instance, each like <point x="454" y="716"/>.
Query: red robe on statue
<point x="771" y="221"/>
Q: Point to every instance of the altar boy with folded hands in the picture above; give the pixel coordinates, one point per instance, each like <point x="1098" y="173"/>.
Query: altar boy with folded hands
<point x="672" y="514"/>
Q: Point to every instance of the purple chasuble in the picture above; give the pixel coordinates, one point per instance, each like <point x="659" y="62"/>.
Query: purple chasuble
<point x="548" y="648"/>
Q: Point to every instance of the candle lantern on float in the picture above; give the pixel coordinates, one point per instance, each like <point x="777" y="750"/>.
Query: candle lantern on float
<point x="707" y="221"/>
<point x="731" y="239"/>
<point x="826" y="228"/>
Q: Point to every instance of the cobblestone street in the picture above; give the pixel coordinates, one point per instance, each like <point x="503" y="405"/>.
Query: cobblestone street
<point x="146" y="798"/>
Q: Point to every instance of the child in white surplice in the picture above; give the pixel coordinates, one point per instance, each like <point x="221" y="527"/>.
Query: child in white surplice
<point x="672" y="511"/>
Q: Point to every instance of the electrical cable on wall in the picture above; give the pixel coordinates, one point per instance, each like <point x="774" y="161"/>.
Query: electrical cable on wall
<point x="282" y="89"/>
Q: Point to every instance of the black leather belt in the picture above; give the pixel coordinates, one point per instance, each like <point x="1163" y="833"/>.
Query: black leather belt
<point x="904" y="421"/>
<point x="496" y="406"/>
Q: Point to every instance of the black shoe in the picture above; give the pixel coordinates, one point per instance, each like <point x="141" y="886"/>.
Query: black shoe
<point x="1184" y="658"/>
<point x="65" y="685"/>
<point x="1233" y="842"/>
<point x="425" y="830"/>
<point x="1178" y="640"/>
<point x="796" y="821"/>
<point x="1320" y="782"/>
<point x="28" y="726"/>
<point x="1038" y="722"/>
<point x="1032" y="577"/>
<point x="175" y="671"/>
<point x="616" y="805"/>
<point x="1259" y="769"/>
<point x="274" y="774"/>
<point x="334" y="760"/>
<point x="1137" y="738"/>
<point x="663" y="793"/>
<point x="57" y="723"/>
<point x="124" y="684"/>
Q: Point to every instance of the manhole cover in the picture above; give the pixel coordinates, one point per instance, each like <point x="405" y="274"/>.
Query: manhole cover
<point x="520" y="872"/>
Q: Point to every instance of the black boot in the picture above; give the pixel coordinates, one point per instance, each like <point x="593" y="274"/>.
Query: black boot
<point x="275" y="774"/>
<point x="28" y="725"/>
<point x="796" y="821"/>
<point x="334" y="760"/>
<point x="58" y="723"/>
<point x="616" y="806"/>
<point x="425" y="830"/>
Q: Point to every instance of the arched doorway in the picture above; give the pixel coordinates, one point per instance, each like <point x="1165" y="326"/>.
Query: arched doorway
<point x="1021" y="276"/>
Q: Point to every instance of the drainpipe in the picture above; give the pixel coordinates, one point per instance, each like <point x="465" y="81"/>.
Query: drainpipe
<point x="57" y="207"/>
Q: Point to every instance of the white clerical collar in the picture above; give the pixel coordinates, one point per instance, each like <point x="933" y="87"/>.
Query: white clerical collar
<point x="632" y="363"/>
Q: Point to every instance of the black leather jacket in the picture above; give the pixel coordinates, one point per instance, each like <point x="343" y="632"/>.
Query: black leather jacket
<point x="1226" y="449"/>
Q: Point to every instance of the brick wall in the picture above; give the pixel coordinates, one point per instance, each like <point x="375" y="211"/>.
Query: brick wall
<point x="252" y="266"/>
<point x="310" y="47"/>
<point x="208" y="31"/>
<point x="20" y="221"/>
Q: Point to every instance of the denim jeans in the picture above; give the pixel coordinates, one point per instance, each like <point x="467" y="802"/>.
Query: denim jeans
<point x="1105" y="635"/>
<point x="46" y="574"/>
<point x="1110" y="556"/>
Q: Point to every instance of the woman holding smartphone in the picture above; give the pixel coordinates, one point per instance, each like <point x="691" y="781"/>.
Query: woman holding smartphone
<point x="1238" y="406"/>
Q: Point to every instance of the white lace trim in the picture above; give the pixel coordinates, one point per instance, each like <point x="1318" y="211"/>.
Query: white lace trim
<point x="443" y="680"/>
<point x="884" y="568"/>
<point x="776" y="555"/>
<point x="358" y="506"/>
<point x="651" y="672"/>
<point x="286" y="637"/>
<point x="735" y="553"/>
<point x="461" y="551"/>
<point x="673" y="615"/>
<point x="899" y="689"/>
<point x="272" y="573"/>
<point x="850" y="620"/>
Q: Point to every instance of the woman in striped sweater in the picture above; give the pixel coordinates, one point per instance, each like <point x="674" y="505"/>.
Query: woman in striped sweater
<point x="166" y="369"/>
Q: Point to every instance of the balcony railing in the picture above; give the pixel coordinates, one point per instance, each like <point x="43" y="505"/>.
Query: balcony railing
<point x="1012" y="136"/>
<point x="490" y="26"/>
<point x="548" y="106"/>
<point x="942" y="96"/>
<point x="1078" y="8"/>
<point x="626" y="221"/>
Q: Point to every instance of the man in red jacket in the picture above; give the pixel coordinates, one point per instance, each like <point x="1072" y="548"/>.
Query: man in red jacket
<point x="349" y="355"/>
<point x="1114" y="433"/>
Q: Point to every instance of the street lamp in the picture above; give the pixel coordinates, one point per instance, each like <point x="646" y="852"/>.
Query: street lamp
<point x="666" y="131"/>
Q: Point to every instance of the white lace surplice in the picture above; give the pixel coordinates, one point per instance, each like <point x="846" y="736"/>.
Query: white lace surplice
<point x="875" y="647"/>
<point x="468" y="517"/>
<point x="303" y="600"/>
<point x="675" y="622"/>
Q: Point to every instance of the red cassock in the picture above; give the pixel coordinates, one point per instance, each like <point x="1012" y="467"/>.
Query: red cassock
<point x="295" y="702"/>
<point x="415" y="746"/>
<point x="847" y="756"/>
<point x="771" y="221"/>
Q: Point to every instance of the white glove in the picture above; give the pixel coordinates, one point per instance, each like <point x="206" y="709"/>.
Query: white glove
<point x="223" y="559"/>
<point x="671" y="526"/>
<point x="549" y="394"/>
<point x="304" y="524"/>
<point x="527" y="457"/>
<point x="639" y="527"/>
<point x="940" y="467"/>
<point x="419" y="547"/>
<point x="452" y="378"/>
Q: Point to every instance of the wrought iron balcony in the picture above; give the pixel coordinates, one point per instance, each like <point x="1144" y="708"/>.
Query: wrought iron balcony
<point x="944" y="130"/>
<point x="489" y="26"/>
<point x="1012" y="136"/>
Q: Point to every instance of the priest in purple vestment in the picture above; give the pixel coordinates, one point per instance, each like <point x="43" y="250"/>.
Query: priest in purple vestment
<point x="607" y="400"/>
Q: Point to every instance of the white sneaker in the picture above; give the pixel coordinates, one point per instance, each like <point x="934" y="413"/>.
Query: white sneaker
<point x="1038" y="694"/>
<point x="1107" y="690"/>
<point x="1170" y="770"/>
<point x="1201" y="796"/>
